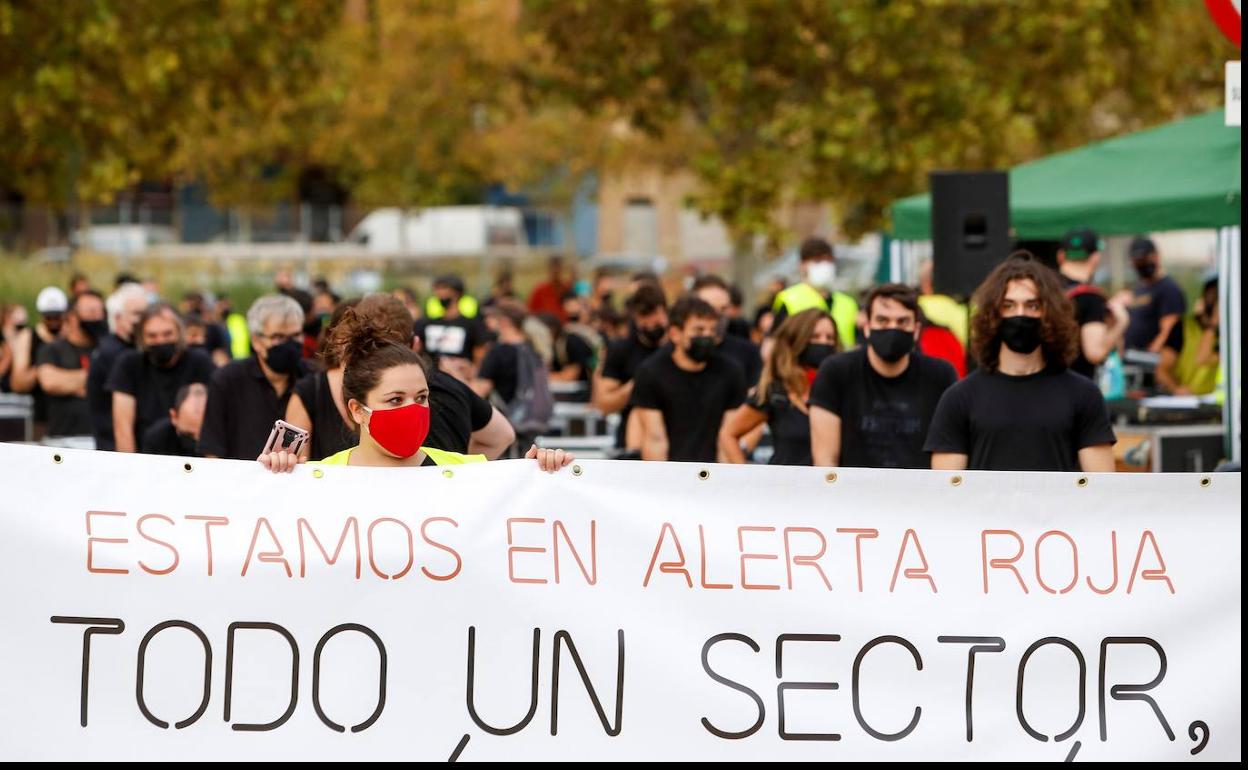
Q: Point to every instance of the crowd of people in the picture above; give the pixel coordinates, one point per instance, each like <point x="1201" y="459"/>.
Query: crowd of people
<point x="822" y="377"/>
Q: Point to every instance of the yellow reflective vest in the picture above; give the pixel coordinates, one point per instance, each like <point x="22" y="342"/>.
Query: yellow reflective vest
<point x="943" y="310"/>
<point x="803" y="296"/>
<point x="467" y="307"/>
<point x="439" y="457"/>
<point x="240" y="337"/>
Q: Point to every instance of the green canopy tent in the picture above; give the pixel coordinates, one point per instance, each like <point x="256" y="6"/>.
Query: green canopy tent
<point x="1183" y="175"/>
<point x="1179" y="176"/>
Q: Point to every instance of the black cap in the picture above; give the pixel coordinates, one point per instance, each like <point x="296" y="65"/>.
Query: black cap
<point x="1080" y="244"/>
<point x="1141" y="247"/>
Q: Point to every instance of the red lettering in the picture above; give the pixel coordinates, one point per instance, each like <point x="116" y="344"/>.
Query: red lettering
<point x="669" y="567"/>
<point x="1149" y="574"/>
<point x="792" y="560"/>
<point x="512" y="550"/>
<point x="912" y="573"/>
<point x="1074" y="552"/>
<point x="459" y="563"/>
<point x="352" y="527"/>
<point x="209" y="523"/>
<point x="1113" y="551"/>
<point x="145" y="536"/>
<point x="269" y="557"/>
<point x="859" y="536"/>
<point x="754" y="557"/>
<point x="91" y="541"/>
<point x="1001" y="563"/>
<point x="411" y="550"/>
<point x="702" y="543"/>
<point x="591" y="579"/>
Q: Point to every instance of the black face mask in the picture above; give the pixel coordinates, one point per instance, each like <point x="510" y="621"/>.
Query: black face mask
<point x="815" y="354"/>
<point x="53" y="327"/>
<point x="739" y="327"/>
<point x="97" y="330"/>
<point x="651" y="336"/>
<point x="1146" y="270"/>
<point x="285" y="358"/>
<point x="701" y="349"/>
<point x="162" y="355"/>
<point x="446" y="302"/>
<point x="1020" y="333"/>
<point x="892" y="345"/>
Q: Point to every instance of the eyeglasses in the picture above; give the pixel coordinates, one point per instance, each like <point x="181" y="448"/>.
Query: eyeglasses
<point x="278" y="339"/>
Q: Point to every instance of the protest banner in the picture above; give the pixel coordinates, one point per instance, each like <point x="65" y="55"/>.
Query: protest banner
<point x="157" y="608"/>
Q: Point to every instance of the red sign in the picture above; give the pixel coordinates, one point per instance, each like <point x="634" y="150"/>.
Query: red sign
<point x="1226" y="14"/>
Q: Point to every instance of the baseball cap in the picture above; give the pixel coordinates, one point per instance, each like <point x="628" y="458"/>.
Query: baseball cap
<point x="52" y="300"/>
<point x="1080" y="244"/>
<point x="1141" y="247"/>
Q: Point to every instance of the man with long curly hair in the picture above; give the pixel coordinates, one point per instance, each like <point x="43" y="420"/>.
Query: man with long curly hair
<point x="1024" y="409"/>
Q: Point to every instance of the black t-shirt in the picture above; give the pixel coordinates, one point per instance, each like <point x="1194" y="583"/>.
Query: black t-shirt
<point x="501" y="366"/>
<point x="624" y="357"/>
<point x="1038" y="422"/>
<point x="576" y="350"/>
<point x="41" y="399"/>
<point x="242" y="407"/>
<point x="154" y="389"/>
<point x="163" y="439"/>
<point x="456" y="337"/>
<point x="884" y="420"/>
<point x="1090" y="308"/>
<point x="745" y="354"/>
<point x="67" y="415"/>
<point x="216" y="338"/>
<point x="1152" y="301"/>
<point x="457" y="413"/>
<point x="99" y="397"/>
<point x="693" y="403"/>
<point x="330" y="434"/>
<point x="790" y="426"/>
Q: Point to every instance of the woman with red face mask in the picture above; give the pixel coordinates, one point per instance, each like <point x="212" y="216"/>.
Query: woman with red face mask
<point x="386" y="392"/>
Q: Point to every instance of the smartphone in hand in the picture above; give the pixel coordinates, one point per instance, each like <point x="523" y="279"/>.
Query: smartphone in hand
<point x="285" y="436"/>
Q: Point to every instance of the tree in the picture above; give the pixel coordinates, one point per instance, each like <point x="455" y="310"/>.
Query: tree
<point x="855" y="101"/>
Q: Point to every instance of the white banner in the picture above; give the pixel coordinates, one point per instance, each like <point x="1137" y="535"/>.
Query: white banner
<point x="155" y="609"/>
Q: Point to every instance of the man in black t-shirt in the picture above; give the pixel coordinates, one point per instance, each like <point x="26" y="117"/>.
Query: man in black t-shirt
<point x="1157" y="306"/>
<point x="124" y="306"/>
<point x="715" y="292"/>
<point x="145" y="382"/>
<point x="500" y="369"/>
<point x="451" y="340"/>
<point x="613" y="383"/>
<point x="871" y="407"/>
<point x="178" y="434"/>
<point x="63" y="365"/>
<point x="682" y="398"/>
<point x="1102" y="322"/>
<point x="1022" y="410"/>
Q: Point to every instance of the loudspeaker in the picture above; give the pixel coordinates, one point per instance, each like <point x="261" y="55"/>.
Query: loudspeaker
<point x="970" y="228"/>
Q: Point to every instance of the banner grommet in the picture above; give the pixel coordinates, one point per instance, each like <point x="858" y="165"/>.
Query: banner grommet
<point x="187" y="467"/>
<point x="1083" y="481"/>
<point x="830" y="478"/>
<point x="956" y="481"/>
<point x="576" y="470"/>
<point x="448" y="473"/>
<point x="1205" y="481"/>
<point x="56" y="458"/>
<point x="704" y="474"/>
<point x="318" y="473"/>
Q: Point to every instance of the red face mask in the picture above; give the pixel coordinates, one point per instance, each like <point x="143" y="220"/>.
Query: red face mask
<point x="401" y="431"/>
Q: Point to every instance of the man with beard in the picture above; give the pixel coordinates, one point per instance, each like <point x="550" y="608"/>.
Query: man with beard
<point x="62" y="366"/>
<point x="145" y="381"/>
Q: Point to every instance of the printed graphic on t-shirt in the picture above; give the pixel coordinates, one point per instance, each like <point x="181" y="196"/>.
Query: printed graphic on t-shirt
<point x="445" y="340"/>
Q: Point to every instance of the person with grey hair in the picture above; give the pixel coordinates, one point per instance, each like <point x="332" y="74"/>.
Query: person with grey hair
<point x="124" y="306"/>
<point x="145" y="382"/>
<point x="245" y="397"/>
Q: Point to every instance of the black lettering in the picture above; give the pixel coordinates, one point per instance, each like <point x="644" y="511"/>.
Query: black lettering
<point x="758" y="702"/>
<point x="918" y="710"/>
<point x="978" y="644"/>
<point x="138" y="679"/>
<point x="562" y="637"/>
<point x="1132" y="691"/>
<point x="472" y="709"/>
<point x="381" y="677"/>
<point x="1083" y="676"/>
<point x="229" y="675"/>
<point x="108" y="626"/>
<point x="786" y="686"/>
